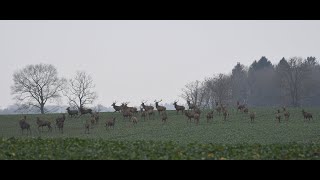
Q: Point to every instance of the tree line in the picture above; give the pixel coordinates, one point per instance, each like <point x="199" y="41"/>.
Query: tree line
<point x="292" y="82"/>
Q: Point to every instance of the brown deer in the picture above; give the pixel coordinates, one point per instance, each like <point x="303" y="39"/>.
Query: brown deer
<point x="72" y="112"/>
<point x="24" y="125"/>
<point x="60" y="122"/>
<point x="164" y="117"/>
<point x="178" y="108"/>
<point x="196" y="117"/>
<point x="87" y="127"/>
<point x="143" y="114"/>
<point x="189" y="115"/>
<point x="150" y="113"/>
<point x="115" y="107"/>
<point x="209" y="116"/>
<point x="240" y="106"/>
<point x="307" y="115"/>
<point x="252" y="116"/>
<point x="42" y="123"/>
<point x="160" y="108"/>
<point x="134" y="120"/>
<point x="110" y="123"/>
<point x="246" y="110"/>
<point x="96" y="117"/>
<point x="146" y="108"/>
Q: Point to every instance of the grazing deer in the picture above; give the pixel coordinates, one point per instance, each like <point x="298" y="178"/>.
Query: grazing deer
<point x="209" y="116"/>
<point x="178" y="108"/>
<point x="307" y="115"/>
<point x="160" y="108"/>
<point x="85" y="111"/>
<point x="42" y="123"/>
<point x="246" y="110"/>
<point x="240" y="107"/>
<point x="72" y="112"/>
<point x="252" y="116"/>
<point x="110" y="123"/>
<point x="24" y="125"/>
<point x="115" y="107"/>
<point x="191" y="106"/>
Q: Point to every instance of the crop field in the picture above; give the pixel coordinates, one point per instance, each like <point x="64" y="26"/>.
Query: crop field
<point x="236" y="138"/>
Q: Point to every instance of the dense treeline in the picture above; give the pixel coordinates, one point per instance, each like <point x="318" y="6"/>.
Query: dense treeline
<point x="292" y="82"/>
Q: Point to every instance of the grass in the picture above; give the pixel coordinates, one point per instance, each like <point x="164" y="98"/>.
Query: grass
<point x="235" y="135"/>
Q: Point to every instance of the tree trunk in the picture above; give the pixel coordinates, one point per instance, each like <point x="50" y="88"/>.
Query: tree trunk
<point x="42" y="108"/>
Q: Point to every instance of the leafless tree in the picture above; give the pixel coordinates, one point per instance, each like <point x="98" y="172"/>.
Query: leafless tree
<point x="195" y="93"/>
<point x="292" y="78"/>
<point x="80" y="90"/>
<point x="35" y="85"/>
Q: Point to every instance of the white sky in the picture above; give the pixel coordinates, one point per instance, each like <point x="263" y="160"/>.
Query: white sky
<point x="135" y="60"/>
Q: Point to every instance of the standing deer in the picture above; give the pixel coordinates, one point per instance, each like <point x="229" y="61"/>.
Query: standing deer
<point x="286" y="115"/>
<point x="146" y="108"/>
<point x="307" y="115"/>
<point x="115" y="107"/>
<point x="252" y="116"/>
<point x="60" y="122"/>
<point x="178" y="108"/>
<point x="143" y="114"/>
<point x="209" y="116"/>
<point x="24" y="125"/>
<point x="110" y="123"/>
<point x="164" y="117"/>
<point x="42" y="123"/>
<point x="72" y="112"/>
<point x="278" y="117"/>
<point x="84" y="111"/>
<point x="160" y="108"/>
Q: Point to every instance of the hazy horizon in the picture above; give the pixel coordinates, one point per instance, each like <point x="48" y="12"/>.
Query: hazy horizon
<point x="148" y="60"/>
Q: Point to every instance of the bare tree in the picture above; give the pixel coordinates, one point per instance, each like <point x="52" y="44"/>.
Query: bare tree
<point x="80" y="90"/>
<point x="292" y="78"/>
<point x="194" y="92"/>
<point x="35" y="85"/>
<point x="220" y="87"/>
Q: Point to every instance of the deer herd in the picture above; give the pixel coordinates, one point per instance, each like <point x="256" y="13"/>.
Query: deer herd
<point x="147" y="111"/>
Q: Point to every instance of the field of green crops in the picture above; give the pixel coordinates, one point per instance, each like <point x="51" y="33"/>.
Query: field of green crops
<point x="236" y="138"/>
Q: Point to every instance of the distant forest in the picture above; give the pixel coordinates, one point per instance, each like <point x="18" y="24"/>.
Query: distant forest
<point x="293" y="82"/>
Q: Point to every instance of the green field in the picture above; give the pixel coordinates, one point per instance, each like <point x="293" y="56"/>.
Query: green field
<point x="236" y="134"/>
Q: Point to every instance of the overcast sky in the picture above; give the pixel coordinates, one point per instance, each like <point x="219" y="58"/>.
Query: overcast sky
<point x="135" y="60"/>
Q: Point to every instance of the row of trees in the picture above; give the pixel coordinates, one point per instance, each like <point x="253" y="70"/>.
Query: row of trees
<point x="292" y="82"/>
<point x="36" y="85"/>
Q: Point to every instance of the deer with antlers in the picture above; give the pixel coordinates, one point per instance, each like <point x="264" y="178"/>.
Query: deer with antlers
<point x="178" y="108"/>
<point x="160" y="108"/>
<point x="115" y="107"/>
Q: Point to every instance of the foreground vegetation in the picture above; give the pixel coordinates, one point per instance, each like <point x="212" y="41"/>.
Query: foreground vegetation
<point x="75" y="148"/>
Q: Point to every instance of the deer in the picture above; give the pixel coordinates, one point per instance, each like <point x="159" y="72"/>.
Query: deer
<point x="191" y="106"/>
<point x="115" y="107"/>
<point x="225" y="114"/>
<point x="110" y="123"/>
<point x="189" y="115"/>
<point x="87" y="127"/>
<point x="307" y="115"/>
<point x="160" y="108"/>
<point x="42" y="123"/>
<point x="146" y="108"/>
<point x="286" y="115"/>
<point x="178" y="108"/>
<point x="24" y="125"/>
<point x="240" y="107"/>
<point x="164" y="117"/>
<point x="246" y="110"/>
<point x="72" y="112"/>
<point x="133" y="110"/>
<point x="143" y="114"/>
<point x="84" y="111"/>
<point x="96" y="117"/>
<point x="196" y="117"/>
<point x="60" y="122"/>
<point x="252" y="116"/>
<point x="134" y="120"/>
<point x="209" y="116"/>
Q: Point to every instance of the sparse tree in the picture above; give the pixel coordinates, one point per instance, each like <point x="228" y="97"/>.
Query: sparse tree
<point x="195" y="92"/>
<point x="80" y="90"/>
<point x="35" y="85"/>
